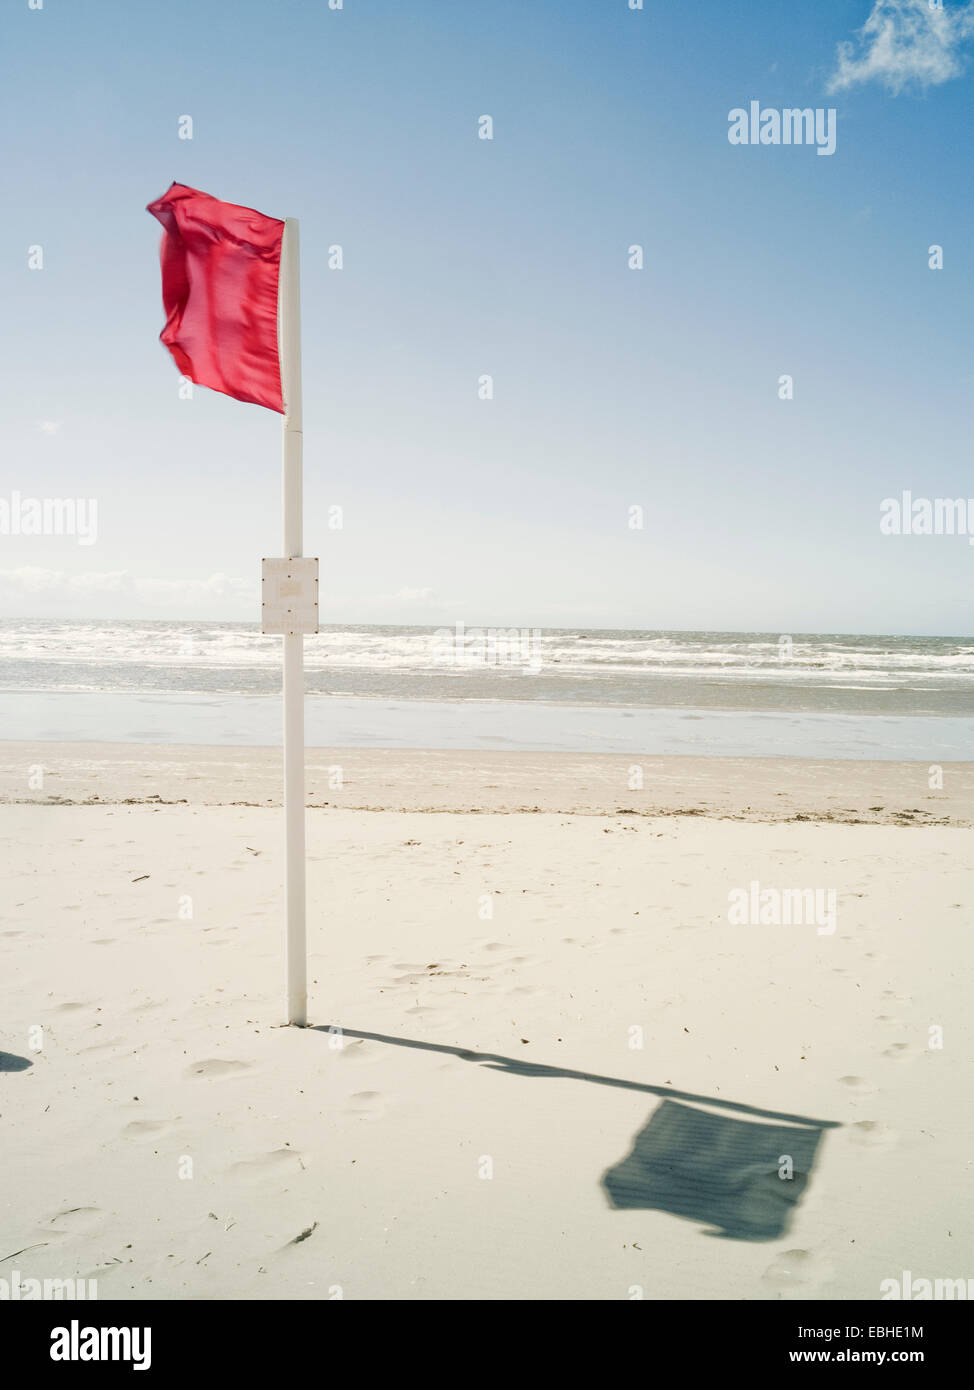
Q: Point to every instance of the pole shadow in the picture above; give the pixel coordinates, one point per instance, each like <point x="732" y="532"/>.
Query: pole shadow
<point x="743" y="1177"/>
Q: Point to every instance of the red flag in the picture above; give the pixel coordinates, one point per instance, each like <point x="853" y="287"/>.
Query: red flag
<point x="220" y="268"/>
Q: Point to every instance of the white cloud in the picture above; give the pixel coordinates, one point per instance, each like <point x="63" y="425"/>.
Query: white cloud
<point x="221" y="586"/>
<point x="904" y="43"/>
<point x="48" y="426"/>
<point x="31" y="581"/>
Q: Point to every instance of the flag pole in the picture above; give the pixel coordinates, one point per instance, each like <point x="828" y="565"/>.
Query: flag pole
<point x="289" y="330"/>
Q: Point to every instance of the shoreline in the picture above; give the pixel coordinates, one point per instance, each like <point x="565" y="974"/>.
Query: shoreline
<point x="492" y="726"/>
<point x="769" y="789"/>
<point x="705" y="693"/>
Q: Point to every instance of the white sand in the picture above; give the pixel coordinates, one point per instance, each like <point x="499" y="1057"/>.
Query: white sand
<point x="508" y="1039"/>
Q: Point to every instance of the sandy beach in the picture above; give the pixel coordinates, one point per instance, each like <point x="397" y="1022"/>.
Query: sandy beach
<point x="759" y="789"/>
<point x="544" y="1061"/>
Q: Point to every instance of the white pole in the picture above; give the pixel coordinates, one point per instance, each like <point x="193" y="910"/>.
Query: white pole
<point x="289" y="337"/>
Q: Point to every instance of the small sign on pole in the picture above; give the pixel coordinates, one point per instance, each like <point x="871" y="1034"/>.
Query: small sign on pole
<point x="289" y="596"/>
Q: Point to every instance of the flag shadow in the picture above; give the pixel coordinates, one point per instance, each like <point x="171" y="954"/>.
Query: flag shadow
<point x="9" y="1061"/>
<point x="743" y="1177"/>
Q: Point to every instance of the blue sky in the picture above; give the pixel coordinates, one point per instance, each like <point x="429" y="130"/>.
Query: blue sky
<point x="508" y="257"/>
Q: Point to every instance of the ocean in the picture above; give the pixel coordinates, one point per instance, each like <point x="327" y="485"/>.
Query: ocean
<point x="577" y="689"/>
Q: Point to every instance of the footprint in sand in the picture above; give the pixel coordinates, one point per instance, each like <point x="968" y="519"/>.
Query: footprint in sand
<point x="899" y="1051"/>
<point x="796" y="1269"/>
<point x="71" y="1007"/>
<point x="216" y="1066"/>
<point x="366" y="1105"/>
<point x="74" y="1221"/>
<point x="857" y="1083"/>
<point x="145" y="1129"/>
<point x="106" y="1046"/>
<point x="872" y="1134"/>
<point x="276" y="1164"/>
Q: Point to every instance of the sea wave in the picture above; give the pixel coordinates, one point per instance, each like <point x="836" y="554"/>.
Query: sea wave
<point x="573" y="666"/>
